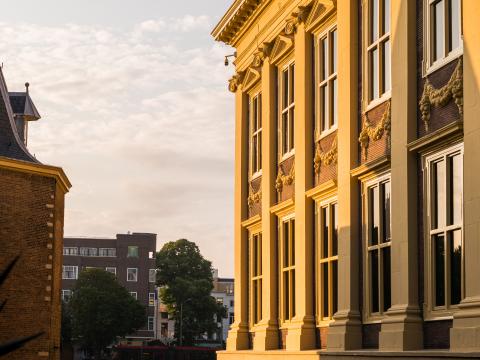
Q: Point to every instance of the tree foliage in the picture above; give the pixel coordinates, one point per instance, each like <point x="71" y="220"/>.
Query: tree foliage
<point x="102" y="310"/>
<point x="185" y="278"/>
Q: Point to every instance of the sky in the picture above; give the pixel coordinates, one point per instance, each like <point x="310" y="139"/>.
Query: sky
<point x="135" y="108"/>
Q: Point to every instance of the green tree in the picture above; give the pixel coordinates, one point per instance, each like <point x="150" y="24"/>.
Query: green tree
<point x="102" y="310"/>
<point x="185" y="278"/>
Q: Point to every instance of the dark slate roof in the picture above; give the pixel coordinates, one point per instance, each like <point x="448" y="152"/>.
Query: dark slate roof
<point x="22" y="104"/>
<point x="11" y="146"/>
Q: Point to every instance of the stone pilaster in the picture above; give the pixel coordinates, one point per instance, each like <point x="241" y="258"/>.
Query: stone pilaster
<point x="345" y="332"/>
<point x="266" y="333"/>
<point x="402" y="325"/>
<point x="238" y="338"/>
<point x="465" y="334"/>
<point x="301" y="331"/>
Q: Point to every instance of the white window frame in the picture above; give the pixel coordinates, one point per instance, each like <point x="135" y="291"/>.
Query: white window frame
<point x="67" y="249"/>
<point x="89" y="251"/>
<point x="326" y="83"/>
<point x="107" y="251"/>
<point x="255" y="153"/>
<point x="429" y="65"/>
<point x="151" y="321"/>
<point x="432" y="312"/>
<point x="151" y="299"/>
<point x="369" y="316"/>
<point x="112" y="272"/>
<point x="64" y="294"/>
<point x="289" y="110"/>
<point x="290" y="268"/>
<point x="330" y="259"/>
<point x="74" y="268"/>
<point x="136" y="274"/>
<point x="150" y="271"/>
<point x="134" y="294"/>
<point x="368" y="102"/>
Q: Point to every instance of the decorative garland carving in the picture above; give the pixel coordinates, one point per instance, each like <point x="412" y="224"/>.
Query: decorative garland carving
<point x="235" y="81"/>
<point x="440" y="97"/>
<point x="325" y="158"/>
<point x="371" y="133"/>
<point x="283" y="179"/>
<point x="254" y="197"/>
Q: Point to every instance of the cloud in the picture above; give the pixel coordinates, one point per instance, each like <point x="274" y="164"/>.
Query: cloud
<point x="140" y="120"/>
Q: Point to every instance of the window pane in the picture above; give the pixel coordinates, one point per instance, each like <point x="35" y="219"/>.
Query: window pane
<point x="285" y="244"/>
<point x="374" y="280"/>
<point x="334" y="51"/>
<point x="254" y="153"/>
<point x="259" y="151"/>
<point x="292" y="243"/>
<point x="284" y="132"/>
<point x="456" y="189"/>
<point x="291" y="129"/>
<point x="254" y="115"/>
<point x="292" y="274"/>
<point x="259" y="254"/>
<point x="255" y="297"/>
<point x="334" y="287"/>
<point x="259" y="109"/>
<point x="259" y="301"/>
<point x="285" y="89"/>
<point x="335" y="229"/>
<point x="373" y="20"/>
<point x="387" y="288"/>
<point x="439" y="30"/>
<point x="386" y="66"/>
<point x="374" y="92"/>
<point x="325" y="225"/>
<point x="440" y="199"/>
<point x="324" y="59"/>
<point x="292" y="84"/>
<point x="374" y="216"/>
<point x="439" y="269"/>
<point x="386" y="211"/>
<point x="254" y="256"/>
<point x="325" y="290"/>
<point x="386" y="16"/>
<point x="324" y="107"/>
<point x="456" y="266"/>
<point x="454" y="24"/>
<point x="334" y="101"/>
<point x="286" y="296"/>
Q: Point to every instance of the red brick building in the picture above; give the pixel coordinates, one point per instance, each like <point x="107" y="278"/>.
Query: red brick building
<point x="31" y="226"/>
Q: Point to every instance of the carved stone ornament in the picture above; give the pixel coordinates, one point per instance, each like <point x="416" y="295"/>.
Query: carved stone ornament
<point x="374" y="133"/>
<point x="254" y="197"/>
<point x="325" y="158"/>
<point x="441" y="97"/>
<point x="297" y="17"/>
<point x="234" y="82"/>
<point x="284" y="179"/>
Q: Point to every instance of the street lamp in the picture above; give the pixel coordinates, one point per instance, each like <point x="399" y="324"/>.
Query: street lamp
<point x="181" y="319"/>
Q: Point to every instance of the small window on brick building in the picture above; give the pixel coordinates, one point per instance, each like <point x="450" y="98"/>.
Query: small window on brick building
<point x="70" y="251"/>
<point x="151" y="299"/>
<point x="133" y="294"/>
<point x="164" y="315"/>
<point x="132" y="251"/>
<point x="132" y="274"/>
<point x="70" y="272"/>
<point x="88" y="251"/>
<point x="152" y="275"/>
<point x="112" y="270"/>
<point x="150" y="323"/>
<point x="109" y="252"/>
<point x="66" y="294"/>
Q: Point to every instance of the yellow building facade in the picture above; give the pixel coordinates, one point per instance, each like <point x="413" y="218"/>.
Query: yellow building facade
<point x="356" y="209"/>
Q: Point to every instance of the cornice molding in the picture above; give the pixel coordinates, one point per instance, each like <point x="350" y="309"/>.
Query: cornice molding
<point x="325" y="158"/>
<point x="38" y="169"/>
<point x="233" y="20"/>
<point x="375" y="133"/>
<point x="441" y="97"/>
